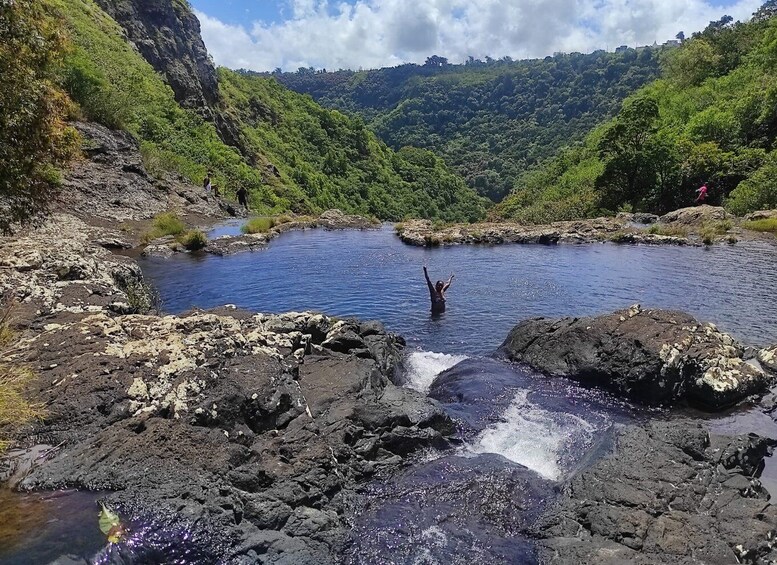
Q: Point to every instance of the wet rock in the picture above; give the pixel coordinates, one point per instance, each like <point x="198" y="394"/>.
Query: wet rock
<point x="651" y="356"/>
<point x="475" y="510"/>
<point x="661" y="496"/>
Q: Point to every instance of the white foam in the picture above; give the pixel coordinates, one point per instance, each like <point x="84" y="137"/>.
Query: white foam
<point x="533" y="437"/>
<point x="424" y="366"/>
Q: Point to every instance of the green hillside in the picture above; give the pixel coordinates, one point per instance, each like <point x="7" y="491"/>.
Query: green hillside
<point x="712" y="118"/>
<point x="489" y="120"/>
<point x="304" y="159"/>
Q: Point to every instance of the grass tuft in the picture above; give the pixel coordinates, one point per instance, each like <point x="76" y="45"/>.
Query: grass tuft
<point x="193" y="240"/>
<point x="768" y="225"/>
<point x="258" y="225"/>
<point x="663" y="229"/>
<point x="164" y="224"/>
<point x="15" y="409"/>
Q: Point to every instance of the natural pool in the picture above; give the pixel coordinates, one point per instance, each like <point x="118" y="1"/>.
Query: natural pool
<point x="510" y="416"/>
<point x="372" y="275"/>
<point x="521" y="435"/>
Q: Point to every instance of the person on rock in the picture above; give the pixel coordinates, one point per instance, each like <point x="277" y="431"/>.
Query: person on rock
<point x="242" y="197"/>
<point x="437" y="293"/>
<point x="207" y="184"/>
<point x="702" y="190"/>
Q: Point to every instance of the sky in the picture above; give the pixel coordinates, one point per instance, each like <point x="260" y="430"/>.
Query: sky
<point x="263" y="35"/>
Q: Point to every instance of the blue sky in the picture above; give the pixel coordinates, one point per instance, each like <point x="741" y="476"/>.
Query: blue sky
<point x="332" y="34"/>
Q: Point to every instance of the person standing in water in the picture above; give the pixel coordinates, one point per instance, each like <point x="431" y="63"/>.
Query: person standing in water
<point x="437" y="293"/>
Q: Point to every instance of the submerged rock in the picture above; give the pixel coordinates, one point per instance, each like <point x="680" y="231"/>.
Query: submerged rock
<point x="651" y="356"/>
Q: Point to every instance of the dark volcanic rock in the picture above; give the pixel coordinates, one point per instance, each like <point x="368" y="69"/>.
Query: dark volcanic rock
<point x="167" y="34"/>
<point x="249" y="431"/>
<point x="651" y="356"/>
<point x="668" y="493"/>
<point x="453" y="510"/>
<point x="112" y="184"/>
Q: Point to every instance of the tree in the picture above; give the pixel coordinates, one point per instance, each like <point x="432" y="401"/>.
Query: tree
<point x="629" y="154"/>
<point x="693" y="64"/>
<point x="436" y="61"/>
<point x="680" y="36"/>
<point x="34" y="139"/>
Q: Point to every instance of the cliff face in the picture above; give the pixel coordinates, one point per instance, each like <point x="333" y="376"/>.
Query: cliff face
<point x="167" y="34"/>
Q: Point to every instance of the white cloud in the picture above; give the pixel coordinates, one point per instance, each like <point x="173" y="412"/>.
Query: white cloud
<point x="377" y="33"/>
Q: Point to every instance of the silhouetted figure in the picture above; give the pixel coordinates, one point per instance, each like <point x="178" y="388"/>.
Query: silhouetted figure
<point x="437" y="293"/>
<point x="242" y="197"/>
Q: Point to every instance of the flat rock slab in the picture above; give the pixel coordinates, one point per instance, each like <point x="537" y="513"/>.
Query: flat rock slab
<point x="650" y="356"/>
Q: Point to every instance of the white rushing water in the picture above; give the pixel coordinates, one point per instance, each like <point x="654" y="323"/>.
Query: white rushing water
<point x="424" y="366"/>
<point x="534" y="437"/>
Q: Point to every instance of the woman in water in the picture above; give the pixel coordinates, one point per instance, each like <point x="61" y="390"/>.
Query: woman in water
<point x="437" y="293"/>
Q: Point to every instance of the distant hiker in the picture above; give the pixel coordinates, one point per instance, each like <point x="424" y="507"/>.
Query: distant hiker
<point x="207" y="184"/>
<point x="437" y="293"/>
<point x="242" y="197"/>
<point x="702" y="190"/>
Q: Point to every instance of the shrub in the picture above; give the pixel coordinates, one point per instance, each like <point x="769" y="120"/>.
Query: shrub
<point x="193" y="240"/>
<point x="399" y="228"/>
<point x="258" y="225"/>
<point x="15" y="409"/>
<point x="765" y="225"/>
<point x="34" y="138"/>
<point x="143" y="298"/>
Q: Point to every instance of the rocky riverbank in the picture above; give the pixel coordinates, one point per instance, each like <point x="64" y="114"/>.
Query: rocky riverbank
<point x="251" y="431"/>
<point x="688" y="226"/>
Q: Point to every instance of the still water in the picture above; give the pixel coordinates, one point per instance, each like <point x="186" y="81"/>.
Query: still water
<point x="372" y="275"/>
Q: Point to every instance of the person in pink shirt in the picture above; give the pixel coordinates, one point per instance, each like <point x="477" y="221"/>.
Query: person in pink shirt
<point x="702" y="190"/>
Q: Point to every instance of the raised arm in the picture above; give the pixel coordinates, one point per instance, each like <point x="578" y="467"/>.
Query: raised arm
<point x="448" y="284"/>
<point x="428" y="281"/>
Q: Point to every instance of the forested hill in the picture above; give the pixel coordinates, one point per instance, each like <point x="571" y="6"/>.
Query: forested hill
<point x="711" y="118"/>
<point x="147" y="72"/>
<point x="489" y="120"/>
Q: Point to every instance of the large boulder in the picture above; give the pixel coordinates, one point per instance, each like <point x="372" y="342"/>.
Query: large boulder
<point x="695" y="215"/>
<point x="651" y="356"/>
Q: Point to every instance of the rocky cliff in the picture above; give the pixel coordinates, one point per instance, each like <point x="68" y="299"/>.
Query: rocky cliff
<point x="167" y="34"/>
